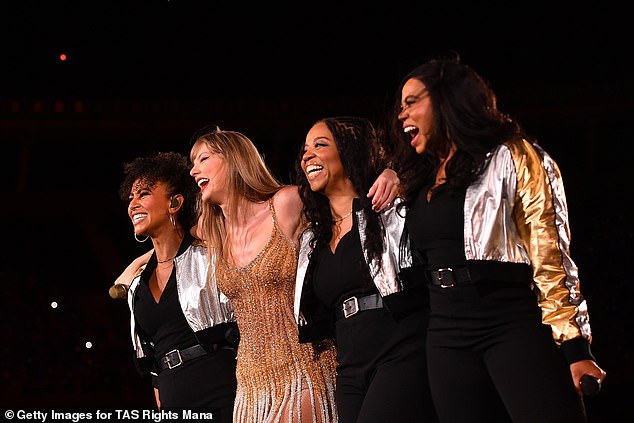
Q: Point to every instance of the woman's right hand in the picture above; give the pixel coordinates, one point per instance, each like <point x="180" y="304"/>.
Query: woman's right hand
<point x="130" y="272"/>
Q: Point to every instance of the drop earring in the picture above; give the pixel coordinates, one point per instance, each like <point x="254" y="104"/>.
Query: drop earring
<point x="173" y="221"/>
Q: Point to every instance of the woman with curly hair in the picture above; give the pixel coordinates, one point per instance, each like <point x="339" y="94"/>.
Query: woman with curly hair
<point x="183" y="329"/>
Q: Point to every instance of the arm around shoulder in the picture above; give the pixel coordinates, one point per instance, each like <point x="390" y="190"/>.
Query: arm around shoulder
<point x="129" y="273"/>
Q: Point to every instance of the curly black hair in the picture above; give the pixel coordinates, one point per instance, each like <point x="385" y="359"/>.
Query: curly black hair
<point x="172" y="169"/>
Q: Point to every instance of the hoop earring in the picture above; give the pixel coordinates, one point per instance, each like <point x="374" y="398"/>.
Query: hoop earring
<point x="140" y="240"/>
<point x="173" y="221"/>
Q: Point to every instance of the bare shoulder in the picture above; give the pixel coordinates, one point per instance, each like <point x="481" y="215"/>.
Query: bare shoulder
<point x="287" y="199"/>
<point x="288" y="207"/>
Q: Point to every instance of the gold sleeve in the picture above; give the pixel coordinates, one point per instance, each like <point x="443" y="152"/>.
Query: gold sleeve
<point x="541" y="215"/>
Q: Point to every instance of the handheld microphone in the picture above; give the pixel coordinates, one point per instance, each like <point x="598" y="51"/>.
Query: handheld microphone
<point x="118" y="291"/>
<point x="590" y="385"/>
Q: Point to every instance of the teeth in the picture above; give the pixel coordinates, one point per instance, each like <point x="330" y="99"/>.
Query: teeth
<point x="409" y="129"/>
<point x="202" y="181"/>
<point x="313" y="168"/>
<point x="138" y="217"/>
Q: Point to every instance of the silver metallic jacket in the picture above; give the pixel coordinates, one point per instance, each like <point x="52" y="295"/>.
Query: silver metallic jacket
<point x="516" y="212"/>
<point x="202" y="304"/>
<point x="394" y="256"/>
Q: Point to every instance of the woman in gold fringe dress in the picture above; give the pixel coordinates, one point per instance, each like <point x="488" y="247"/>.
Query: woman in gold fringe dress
<point x="254" y="223"/>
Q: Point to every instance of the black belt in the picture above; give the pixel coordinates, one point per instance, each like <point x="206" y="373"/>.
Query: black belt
<point x="175" y="358"/>
<point x="449" y="277"/>
<point x="353" y="305"/>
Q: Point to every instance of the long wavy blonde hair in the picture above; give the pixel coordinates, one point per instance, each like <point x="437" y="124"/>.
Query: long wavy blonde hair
<point x="248" y="179"/>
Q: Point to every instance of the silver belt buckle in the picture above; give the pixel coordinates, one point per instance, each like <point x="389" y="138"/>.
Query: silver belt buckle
<point x="448" y="284"/>
<point x="350" y="307"/>
<point x="169" y="360"/>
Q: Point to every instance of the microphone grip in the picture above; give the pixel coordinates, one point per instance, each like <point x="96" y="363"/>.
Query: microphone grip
<point x="118" y="291"/>
<point x="590" y="385"/>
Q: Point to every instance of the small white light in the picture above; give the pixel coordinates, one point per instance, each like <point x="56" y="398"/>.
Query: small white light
<point x="89" y="345"/>
<point x="54" y="304"/>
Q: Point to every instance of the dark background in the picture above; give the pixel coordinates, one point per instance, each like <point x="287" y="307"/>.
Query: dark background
<point x="144" y="76"/>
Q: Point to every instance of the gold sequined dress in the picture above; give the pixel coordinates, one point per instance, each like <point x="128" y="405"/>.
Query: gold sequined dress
<point x="273" y="367"/>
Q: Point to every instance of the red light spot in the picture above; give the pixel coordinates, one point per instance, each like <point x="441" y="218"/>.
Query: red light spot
<point x="62" y="57"/>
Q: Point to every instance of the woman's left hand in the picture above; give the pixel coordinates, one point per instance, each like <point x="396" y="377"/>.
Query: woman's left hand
<point x="384" y="190"/>
<point x="585" y="367"/>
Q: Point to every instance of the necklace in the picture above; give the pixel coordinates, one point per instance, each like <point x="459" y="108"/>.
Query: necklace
<point x="166" y="260"/>
<point x="341" y="218"/>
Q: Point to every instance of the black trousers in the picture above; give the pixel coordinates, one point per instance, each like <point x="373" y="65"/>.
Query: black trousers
<point x="381" y="373"/>
<point x="491" y="359"/>
<point x="206" y="383"/>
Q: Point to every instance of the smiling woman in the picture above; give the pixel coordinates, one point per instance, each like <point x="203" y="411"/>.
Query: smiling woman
<point x="487" y="213"/>
<point x="183" y="327"/>
<point x="349" y="284"/>
<point x="253" y="224"/>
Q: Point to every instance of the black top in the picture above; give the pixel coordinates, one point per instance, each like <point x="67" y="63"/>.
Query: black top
<point x="344" y="273"/>
<point x="163" y="321"/>
<point x="436" y="227"/>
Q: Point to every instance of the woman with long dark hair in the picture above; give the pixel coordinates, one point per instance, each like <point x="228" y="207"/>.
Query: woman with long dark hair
<point x="350" y="287"/>
<point x="487" y="213"/>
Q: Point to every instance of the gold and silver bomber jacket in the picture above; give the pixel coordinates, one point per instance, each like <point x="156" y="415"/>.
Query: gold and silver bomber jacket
<point x="202" y="303"/>
<point x="516" y="212"/>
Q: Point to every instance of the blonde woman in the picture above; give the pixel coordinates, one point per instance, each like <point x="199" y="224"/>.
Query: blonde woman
<point x="254" y="223"/>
